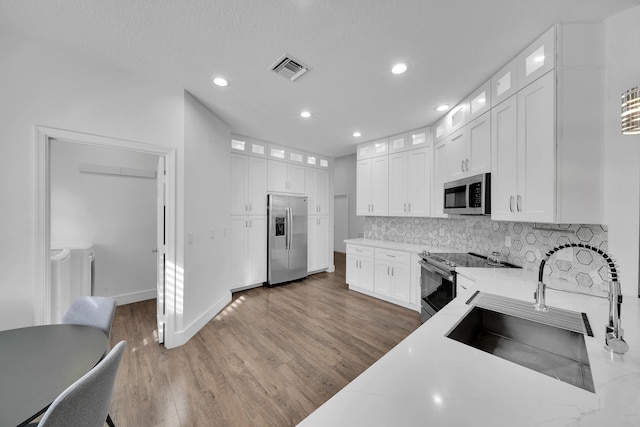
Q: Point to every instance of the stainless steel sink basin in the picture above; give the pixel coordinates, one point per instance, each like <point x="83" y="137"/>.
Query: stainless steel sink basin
<point x="551" y="350"/>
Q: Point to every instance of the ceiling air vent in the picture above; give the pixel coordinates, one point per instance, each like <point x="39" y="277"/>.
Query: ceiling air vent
<point x="289" y="67"/>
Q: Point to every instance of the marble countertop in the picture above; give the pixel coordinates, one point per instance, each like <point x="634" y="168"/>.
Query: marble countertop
<point x="431" y="380"/>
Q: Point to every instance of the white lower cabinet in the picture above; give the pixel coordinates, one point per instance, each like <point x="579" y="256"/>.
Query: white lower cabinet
<point x="383" y="273"/>
<point x="248" y="249"/>
<point x="317" y="243"/>
<point x="393" y="278"/>
<point x="359" y="274"/>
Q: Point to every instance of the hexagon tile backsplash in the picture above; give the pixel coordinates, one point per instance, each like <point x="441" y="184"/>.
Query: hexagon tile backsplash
<point x="586" y="272"/>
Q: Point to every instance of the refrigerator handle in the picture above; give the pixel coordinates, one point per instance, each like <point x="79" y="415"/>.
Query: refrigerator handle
<point x="290" y="231"/>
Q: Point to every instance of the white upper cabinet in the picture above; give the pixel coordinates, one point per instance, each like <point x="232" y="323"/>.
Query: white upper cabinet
<point x="554" y="172"/>
<point x="480" y="101"/>
<point x="504" y="83"/>
<point x="410" y="183"/>
<point x="371" y="149"/>
<point x="470" y="149"/>
<point x="440" y="130"/>
<point x="372" y="186"/>
<point x="479" y="137"/>
<point x="524" y="180"/>
<point x="504" y="151"/>
<point x="410" y="140"/>
<point x="537" y="59"/>
<point x="458" y="154"/>
<point x="440" y="176"/>
<point x="285" y="177"/>
<point x="248" y="185"/>
<point x="458" y="116"/>
<point x="248" y="146"/>
<point x="317" y="191"/>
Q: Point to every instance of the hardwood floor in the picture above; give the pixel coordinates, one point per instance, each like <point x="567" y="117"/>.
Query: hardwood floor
<point x="270" y="358"/>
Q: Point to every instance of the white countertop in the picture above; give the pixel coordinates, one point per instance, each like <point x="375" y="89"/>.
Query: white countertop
<point x="431" y="380"/>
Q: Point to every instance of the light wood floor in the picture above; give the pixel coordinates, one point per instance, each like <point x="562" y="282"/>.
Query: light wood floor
<point x="269" y="359"/>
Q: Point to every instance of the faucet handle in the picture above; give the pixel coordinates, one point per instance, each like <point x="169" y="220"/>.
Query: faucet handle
<point x="617" y="344"/>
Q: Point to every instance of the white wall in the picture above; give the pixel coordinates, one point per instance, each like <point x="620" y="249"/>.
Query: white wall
<point x="45" y="86"/>
<point x="344" y="182"/>
<point x="117" y="214"/>
<point x="206" y="211"/>
<point x="622" y="152"/>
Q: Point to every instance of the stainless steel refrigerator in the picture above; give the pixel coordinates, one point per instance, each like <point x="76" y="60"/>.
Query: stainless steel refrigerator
<point x="287" y="238"/>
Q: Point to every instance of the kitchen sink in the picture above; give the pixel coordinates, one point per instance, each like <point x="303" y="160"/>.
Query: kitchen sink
<point x="530" y="342"/>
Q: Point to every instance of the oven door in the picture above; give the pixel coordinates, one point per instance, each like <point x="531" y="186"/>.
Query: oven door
<point x="437" y="289"/>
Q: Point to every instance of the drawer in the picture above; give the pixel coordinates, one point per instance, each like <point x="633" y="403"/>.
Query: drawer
<point x="393" y="256"/>
<point x="360" y="250"/>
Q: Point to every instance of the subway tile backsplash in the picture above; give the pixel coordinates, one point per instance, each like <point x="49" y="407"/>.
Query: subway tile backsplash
<point x="522" y="244"/>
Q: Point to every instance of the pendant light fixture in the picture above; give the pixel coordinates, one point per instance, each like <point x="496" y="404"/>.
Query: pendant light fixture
<point x="631" y="111"/>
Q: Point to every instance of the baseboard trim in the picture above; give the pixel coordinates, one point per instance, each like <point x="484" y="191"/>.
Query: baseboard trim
<point x="181" y="337"/>
<point x="135" y="297"/>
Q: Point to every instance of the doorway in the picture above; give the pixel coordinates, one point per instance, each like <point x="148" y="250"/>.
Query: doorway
<point x="44" y="138"/>
<point x="340" y="222"/>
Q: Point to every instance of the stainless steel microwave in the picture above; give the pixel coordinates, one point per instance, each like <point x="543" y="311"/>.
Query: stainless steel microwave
<point x="468" y="196"/>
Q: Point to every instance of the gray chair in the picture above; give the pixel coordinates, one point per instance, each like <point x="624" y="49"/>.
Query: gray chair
<point x="86" y="402"/>
<point x="91" y="311"/>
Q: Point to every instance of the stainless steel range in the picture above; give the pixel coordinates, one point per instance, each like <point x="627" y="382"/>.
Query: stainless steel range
<point x="438" y="277"/>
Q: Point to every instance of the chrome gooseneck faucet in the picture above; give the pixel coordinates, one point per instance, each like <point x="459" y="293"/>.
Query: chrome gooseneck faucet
<point x="613" y="334"/>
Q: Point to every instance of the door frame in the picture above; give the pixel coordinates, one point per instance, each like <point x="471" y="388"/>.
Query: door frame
<point x="336" y="196"/>
<point x="42" y="269"/>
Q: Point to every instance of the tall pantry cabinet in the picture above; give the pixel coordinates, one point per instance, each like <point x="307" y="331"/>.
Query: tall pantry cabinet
<point x="248" y="234"/>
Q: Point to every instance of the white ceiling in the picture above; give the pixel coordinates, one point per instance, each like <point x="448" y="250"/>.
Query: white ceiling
<point x="451" y="47"/>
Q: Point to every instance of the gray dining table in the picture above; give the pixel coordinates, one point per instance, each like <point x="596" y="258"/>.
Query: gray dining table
<point x="37" y="363"/>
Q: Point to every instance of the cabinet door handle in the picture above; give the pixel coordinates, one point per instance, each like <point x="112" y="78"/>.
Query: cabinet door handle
<point x="409" y="204"/>
<point x="250" y="223"/>
<point x="388" y="268"/>
<point x="519" y="203"/>
<point x="405" y="207"/>
<point x="392" y="268"/>
<point x="467" y="164"/>
<point x="250" y="208"/>
<point x="462" y="166"/>
<point x="511" y="203"/>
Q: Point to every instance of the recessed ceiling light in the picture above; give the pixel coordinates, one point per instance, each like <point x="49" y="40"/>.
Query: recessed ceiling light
<point x="357" y="134"/>
<point x="442" y="107"/>
<point x="399" y="68"/>
<point x="219" y="81"/>
<point x="305" y="114"/>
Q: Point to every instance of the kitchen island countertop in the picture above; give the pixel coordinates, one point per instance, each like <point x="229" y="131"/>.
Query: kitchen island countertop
<point x="431" y="380"/>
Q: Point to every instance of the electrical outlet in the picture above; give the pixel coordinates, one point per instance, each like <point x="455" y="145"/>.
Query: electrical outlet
<point x="213" y="234"/>
<point x="507" y="241"/>
<point x="190" y="238"/>
<point x="374" y="227"/>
